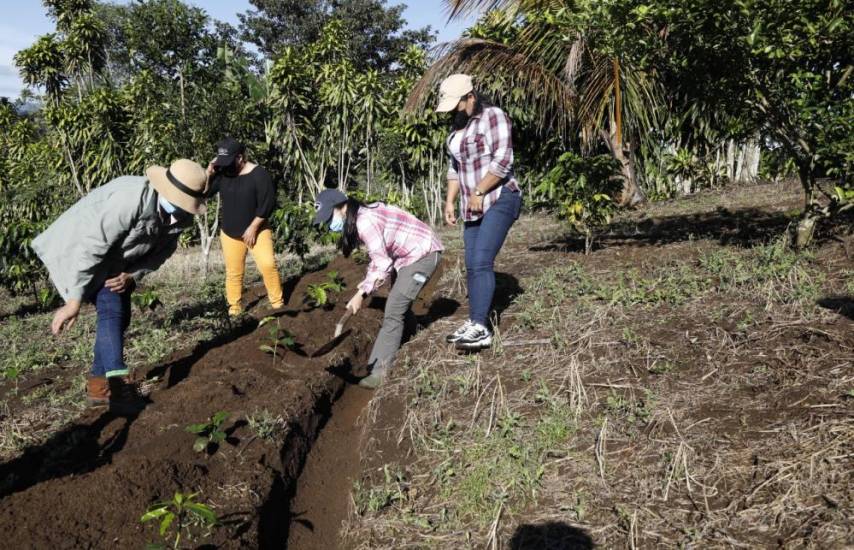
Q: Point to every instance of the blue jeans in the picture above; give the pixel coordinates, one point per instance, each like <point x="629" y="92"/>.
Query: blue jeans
<point x="113" y="319"/>
<point x="483" y="239"/>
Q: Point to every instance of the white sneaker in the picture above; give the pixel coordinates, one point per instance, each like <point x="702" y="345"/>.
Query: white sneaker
<point x="457" y="334"/>
<point x="476" y="337"/>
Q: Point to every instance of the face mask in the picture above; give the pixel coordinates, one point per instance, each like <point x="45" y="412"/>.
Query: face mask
<point x="231" y="171"/>
<point x="337" y="225"/>
<point x="167" y="206"/>
<point x="172" y="210"/>
<point x="461" y="120"/>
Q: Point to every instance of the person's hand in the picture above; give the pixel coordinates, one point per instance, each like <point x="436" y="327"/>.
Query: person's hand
<point x="450" y="213"/>
<point x="355" y="303"/>
<point x="119" y="283"/>
<point x="65" y="317"/>
<point x="211" y="169"/>
<point x="250" y="236"/>
<point x="475" y="203"/>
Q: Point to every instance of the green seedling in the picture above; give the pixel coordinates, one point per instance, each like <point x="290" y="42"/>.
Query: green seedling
<point x="661" y="367"/>
<point x="278" y="338"/>
<point x="183" y="514"/>
<point x="13" y="374"/>
<point x="47" y="298"/>
<point x="209" y="433"/>
<point x="146" y="300"/>
<point x="317" y="295"/>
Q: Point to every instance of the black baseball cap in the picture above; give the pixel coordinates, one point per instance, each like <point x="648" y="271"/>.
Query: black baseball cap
<point x="326" y="202"/>
<point x="226" y="150"/>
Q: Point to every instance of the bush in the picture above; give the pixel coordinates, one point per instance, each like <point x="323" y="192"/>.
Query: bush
<point x="292" y="227"/>
<point x="582" y="190"/>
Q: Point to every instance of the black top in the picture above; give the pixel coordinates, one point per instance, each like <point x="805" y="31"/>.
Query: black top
<point x="243" y="199"/>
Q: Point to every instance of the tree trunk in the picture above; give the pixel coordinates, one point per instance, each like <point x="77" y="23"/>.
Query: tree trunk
<point x="632" y="194"/>
<point x="207" y="234"/>
<point x="806" y="225"/>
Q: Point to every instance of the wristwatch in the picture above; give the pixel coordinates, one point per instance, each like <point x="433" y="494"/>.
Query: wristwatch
<point x="479" y="193"/>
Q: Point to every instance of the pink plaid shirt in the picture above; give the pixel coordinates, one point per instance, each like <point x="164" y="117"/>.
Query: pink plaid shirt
<point x="486" y="146"/>
<point x="394" y="239"/>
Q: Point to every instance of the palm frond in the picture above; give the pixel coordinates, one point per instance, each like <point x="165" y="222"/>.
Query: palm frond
<point x="458" y="8"/>
<point x="548" y="95"/>
<point x="640" y="99"/>
<point x="574" y="59"/>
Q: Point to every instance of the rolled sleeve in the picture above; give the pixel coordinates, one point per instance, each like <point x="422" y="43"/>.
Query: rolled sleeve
<point x="377" y="274"/>
<point x="500" y="141"/>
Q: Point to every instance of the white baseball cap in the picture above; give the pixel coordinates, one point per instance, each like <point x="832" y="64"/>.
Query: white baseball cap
<point x="452" y="90"/>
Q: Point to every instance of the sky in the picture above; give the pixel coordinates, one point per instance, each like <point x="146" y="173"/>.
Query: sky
<point x="24" y="20"/>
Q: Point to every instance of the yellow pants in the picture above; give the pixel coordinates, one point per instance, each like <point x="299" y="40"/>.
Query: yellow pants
<point x="234" y="252"/>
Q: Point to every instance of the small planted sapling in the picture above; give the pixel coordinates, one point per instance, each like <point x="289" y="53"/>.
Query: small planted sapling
<point x="47" y="298"/>
<point x="147" y="299"/>
<point x="209" y="433"/>
<point x="317" y="295"/>
<point x="182" y="515"/>
<point x="278" y="338"/>
<point x="12" y="373"/>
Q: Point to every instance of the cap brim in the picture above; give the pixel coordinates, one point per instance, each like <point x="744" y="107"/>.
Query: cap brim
<point x="224" y="160"/>
<point x="447" y="104"/>
<point x="157" y="176"/>
<point x="323" y="215"/>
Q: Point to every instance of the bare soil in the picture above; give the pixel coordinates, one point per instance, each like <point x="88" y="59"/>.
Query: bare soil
<point x="89" y="484"/>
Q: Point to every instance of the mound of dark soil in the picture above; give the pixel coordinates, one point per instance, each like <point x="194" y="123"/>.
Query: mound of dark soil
<point x="88" y="486"/>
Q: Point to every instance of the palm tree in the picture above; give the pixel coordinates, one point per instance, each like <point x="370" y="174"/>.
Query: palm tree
<point x="570" y="81"/>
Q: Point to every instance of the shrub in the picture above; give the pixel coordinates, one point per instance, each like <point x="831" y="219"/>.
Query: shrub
<point x="582" y="190"/>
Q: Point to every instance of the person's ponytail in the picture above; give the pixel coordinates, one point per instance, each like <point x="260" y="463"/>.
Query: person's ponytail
<point x="350" y="235"/>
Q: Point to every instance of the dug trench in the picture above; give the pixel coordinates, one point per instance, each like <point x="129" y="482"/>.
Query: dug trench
<point x="89" y="485"/>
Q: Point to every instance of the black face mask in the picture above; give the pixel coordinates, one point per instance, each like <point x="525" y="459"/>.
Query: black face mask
<point x="231" y="171"/>
<point x="460" y="120"/>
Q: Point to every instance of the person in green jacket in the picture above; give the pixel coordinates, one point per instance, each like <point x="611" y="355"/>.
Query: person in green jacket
<point x="99" y="248"/>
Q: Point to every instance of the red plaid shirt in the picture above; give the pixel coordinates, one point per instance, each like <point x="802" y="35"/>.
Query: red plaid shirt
<point x="394" y="239"/>
<point x="486" y="146"/>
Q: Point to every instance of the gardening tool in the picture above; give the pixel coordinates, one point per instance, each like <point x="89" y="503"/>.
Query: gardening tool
<point x="339" y="337"/>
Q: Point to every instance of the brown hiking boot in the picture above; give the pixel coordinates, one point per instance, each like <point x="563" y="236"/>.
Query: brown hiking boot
<point x="124" y="396"/>
<point x="97" y="391"/>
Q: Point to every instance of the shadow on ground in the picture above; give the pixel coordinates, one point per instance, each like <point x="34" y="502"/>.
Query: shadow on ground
<point x="73" y="451"/>
<point x="843" y="305"/>
<point x="745" y="227"/>
<point x="179" y="369"/>
<point x="553" y="535"/>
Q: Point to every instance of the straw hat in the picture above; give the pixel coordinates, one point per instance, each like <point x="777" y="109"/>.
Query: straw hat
<point x="183" y="184"/>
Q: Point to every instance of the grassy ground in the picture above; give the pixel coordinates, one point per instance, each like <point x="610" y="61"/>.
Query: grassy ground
<point x="689" y="385"/>
<point x="42" y="387"/>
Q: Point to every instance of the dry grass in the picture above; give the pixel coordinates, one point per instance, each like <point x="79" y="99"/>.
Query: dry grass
<point x="688" y="395"/>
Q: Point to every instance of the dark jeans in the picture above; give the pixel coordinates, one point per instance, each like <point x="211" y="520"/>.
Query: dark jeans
<point x="483" y="239"/>
<point x="113" y="319"/>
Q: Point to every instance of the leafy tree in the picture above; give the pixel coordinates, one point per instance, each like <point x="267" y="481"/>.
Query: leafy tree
<point x="799" y="73"/>
<point x="567" y="61"/>
<point x="30" y="194"/>
<point x="778" y="67"/>
<point x="374" y="32"/>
